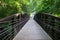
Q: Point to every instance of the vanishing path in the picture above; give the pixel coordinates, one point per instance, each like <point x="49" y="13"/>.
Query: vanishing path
<point x="32" y="31"/>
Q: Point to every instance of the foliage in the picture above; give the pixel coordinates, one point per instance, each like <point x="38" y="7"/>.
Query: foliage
<point x="49" y="6"/>
<point x="24" y="5"/>
<point x="9" y="7"/>
<point x="52" y="6"/>
<point x="35" y="5"/>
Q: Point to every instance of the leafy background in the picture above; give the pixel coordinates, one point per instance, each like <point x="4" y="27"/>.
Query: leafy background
<point x="9" y="7"/>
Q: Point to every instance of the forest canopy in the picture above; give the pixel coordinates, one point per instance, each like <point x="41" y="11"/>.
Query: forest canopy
<point x="9" y="7"/>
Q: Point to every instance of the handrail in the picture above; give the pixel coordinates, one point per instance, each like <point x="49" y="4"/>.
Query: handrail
<point x="51" y="15"/>
<point x="11" y="26"/>
<point x="50" y="23"/>
<point x="8" y="18"/>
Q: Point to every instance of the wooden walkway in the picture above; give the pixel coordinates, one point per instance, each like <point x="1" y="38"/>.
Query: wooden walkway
<point x="32" y="31"/>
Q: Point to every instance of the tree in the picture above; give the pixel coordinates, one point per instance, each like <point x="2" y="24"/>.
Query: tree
<point x="9" y="7"/>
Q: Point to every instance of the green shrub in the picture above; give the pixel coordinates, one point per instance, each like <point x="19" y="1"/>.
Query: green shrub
<point x="9" y="7"/>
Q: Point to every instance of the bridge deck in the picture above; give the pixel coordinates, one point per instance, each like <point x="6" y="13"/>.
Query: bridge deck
<point x="32" y="31"/>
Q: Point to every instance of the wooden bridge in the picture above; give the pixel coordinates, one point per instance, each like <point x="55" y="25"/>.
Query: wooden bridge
<point x="36" y="28"/>
<point x="32" y="31"/>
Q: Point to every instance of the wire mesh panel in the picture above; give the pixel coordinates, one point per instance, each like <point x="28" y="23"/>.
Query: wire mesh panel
<point x="50" y="24"/>
<point x="10" y="26"/>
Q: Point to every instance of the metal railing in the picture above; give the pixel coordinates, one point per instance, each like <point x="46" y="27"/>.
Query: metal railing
<point x="50" y="24"/>
<point x="10" y="26"/>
